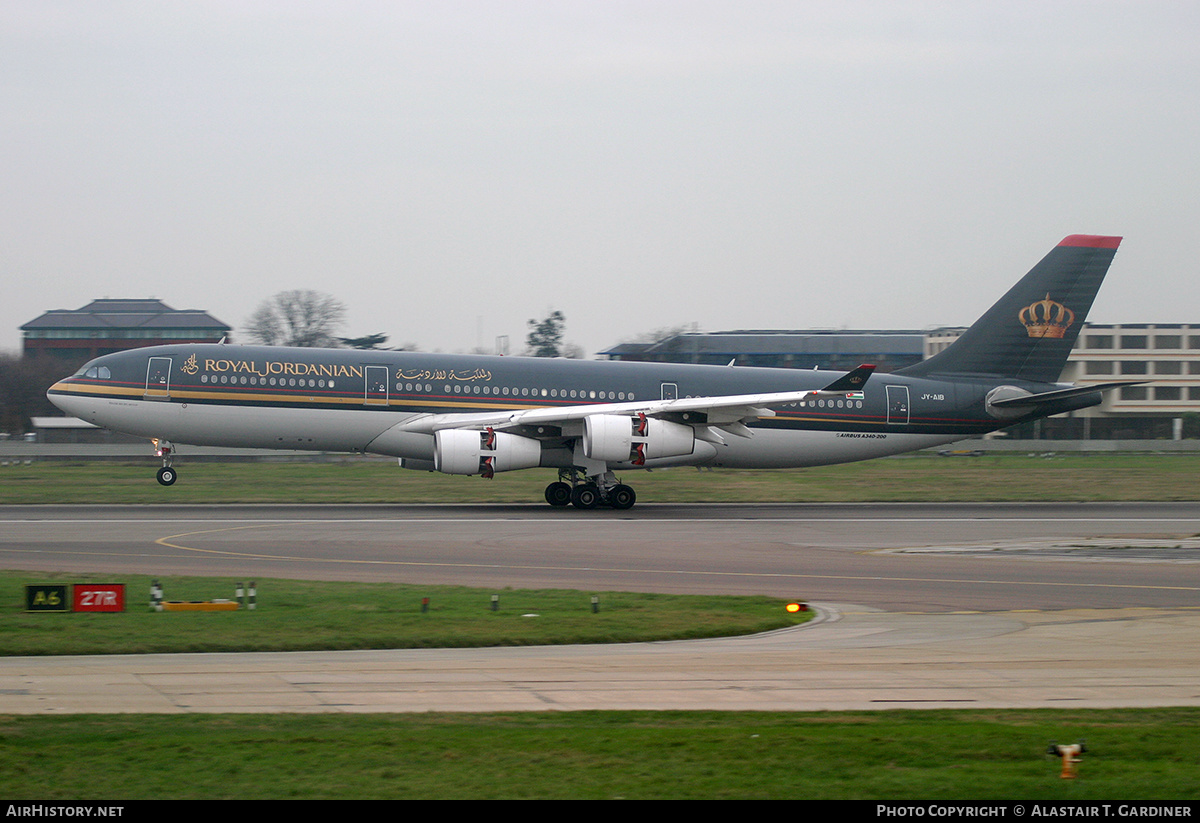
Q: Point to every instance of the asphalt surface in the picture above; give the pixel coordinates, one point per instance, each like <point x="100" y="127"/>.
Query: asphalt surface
<point x="921" y="605"/>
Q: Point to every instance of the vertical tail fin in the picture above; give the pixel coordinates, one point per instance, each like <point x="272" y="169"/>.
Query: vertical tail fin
<point x="1029" y="332"/>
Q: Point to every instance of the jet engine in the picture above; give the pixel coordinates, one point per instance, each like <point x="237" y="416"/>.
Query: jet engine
<point x="463" y="451"/>
<point x="618" y="439"/>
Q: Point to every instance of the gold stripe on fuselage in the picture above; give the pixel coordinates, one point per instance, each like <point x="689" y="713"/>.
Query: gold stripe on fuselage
<point x="184" y="395"/>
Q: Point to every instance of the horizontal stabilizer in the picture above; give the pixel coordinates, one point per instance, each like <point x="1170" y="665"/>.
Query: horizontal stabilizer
<point x="1061" y="394"/>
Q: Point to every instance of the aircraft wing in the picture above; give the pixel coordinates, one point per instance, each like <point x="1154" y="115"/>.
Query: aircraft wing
<point x="725" y="412"/>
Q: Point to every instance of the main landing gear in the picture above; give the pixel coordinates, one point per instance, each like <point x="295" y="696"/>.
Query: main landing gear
<point x="166" y="475"/>
<point x="589" y="492"/>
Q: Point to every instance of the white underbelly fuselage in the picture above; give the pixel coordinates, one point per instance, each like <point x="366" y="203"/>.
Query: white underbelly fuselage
<point x="376" y="431"/>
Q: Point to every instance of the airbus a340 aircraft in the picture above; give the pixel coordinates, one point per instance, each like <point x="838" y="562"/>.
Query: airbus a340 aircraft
<point x="467" y="414"/>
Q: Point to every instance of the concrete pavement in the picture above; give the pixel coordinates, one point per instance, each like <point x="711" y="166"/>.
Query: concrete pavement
<point x="851" y="658"/>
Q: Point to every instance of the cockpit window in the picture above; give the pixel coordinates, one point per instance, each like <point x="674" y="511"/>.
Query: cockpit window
<point x="95" y="372"/>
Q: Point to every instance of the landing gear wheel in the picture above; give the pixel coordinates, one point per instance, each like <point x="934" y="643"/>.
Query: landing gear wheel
<point x="621" y="497"/>
<point x="558" y="494"/>
<point x="167" y="476"/>
<point x="585" y="496"/>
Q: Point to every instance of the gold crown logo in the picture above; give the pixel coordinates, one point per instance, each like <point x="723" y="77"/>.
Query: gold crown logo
<point x="1046" y="318"/>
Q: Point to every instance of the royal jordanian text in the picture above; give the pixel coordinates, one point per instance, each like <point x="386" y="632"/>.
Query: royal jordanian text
<point x="277" y="367"/>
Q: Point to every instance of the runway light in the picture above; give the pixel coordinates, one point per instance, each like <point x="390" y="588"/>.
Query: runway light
<point x="795" y="607"/>
<point x="1071" y="756"/>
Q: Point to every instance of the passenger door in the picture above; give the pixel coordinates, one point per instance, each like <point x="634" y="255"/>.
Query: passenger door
<point x="158" y="379"/>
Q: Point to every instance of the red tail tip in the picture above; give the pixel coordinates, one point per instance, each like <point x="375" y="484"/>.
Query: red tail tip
<point x="1091" y="241"/>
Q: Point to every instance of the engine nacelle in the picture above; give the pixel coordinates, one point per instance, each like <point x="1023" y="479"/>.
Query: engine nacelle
<point x="608" y="437"/>
<point x="461" y="451"/>
<point x="617" y="439"/>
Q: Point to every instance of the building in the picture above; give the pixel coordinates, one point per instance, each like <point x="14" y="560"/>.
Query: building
<point x="106" y="326"/>
<point x="806" y="349"/>
<point x="1165" y="354"/>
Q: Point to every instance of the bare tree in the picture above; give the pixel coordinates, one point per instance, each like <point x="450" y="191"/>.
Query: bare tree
<point x="664" y="333"/>
<point x="23" y="384"/>
<point x="300" y="317"/>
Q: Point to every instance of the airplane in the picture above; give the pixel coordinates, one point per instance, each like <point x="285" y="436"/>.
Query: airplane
<point x="481" y="415"/>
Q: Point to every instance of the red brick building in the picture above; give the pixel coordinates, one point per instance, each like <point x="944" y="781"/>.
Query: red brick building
<point x="105" y="326"/>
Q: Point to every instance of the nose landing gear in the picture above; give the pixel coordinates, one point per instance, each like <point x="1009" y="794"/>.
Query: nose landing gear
<point x="166" y="475"/>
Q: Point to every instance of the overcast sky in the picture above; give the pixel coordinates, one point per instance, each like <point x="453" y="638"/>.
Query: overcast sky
<point x="450" y="170"/>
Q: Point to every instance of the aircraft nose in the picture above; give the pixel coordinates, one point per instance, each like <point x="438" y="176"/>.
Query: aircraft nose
<point x="72" y="405"/>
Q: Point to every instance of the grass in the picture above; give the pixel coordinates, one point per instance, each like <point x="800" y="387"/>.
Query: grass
<point x="912" y="478"/>
<point x="927" y="756"/>
<point x="1146" y="754"/>
<point x="298" y="615"/>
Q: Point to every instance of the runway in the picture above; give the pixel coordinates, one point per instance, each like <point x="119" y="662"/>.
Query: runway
<point x="923" y="605"/>
<point x="898" y="557"/>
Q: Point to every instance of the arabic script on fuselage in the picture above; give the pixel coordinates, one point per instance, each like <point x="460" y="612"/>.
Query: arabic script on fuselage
<point x="465" y="375"/>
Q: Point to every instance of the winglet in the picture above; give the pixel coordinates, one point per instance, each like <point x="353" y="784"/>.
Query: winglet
<point x="852" y="380"/>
